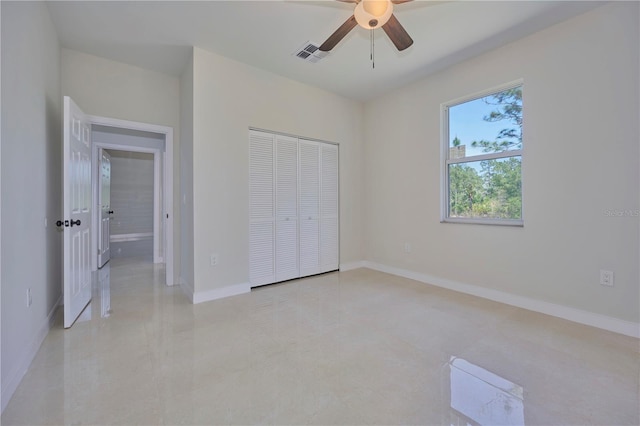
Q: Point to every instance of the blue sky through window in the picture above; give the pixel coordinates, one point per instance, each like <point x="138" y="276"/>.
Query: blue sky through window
<point x="467" y="123"/>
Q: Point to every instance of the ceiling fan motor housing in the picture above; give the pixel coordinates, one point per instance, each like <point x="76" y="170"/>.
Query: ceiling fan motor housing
<point x="372" y="14"/>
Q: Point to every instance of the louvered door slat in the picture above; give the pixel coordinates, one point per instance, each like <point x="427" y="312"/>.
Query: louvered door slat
<point x="309" y="247"/>
<point x="329" y="230"/>
<point x="286" y="177"/>
<point x="309" y="207"/>
<point x="261" y="176"/>
<point x="261" y="254"/>
<point x="329" y="170"/>
<point x="309" y="179"/>
<point x="287" y="266"/>
<point x="261" y="209"/>
<point x="286" y="250"/>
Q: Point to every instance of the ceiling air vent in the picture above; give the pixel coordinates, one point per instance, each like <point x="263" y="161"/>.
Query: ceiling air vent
<point x="310" y="52"/>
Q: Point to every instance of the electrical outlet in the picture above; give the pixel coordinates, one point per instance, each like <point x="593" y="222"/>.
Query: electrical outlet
<point x="29" y="298"/>
<point x="606" y="278"/>
<point x="407" y="247"/>
<point x="213" y="259"/>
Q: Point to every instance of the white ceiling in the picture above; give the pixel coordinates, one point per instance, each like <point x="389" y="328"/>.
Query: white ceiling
<point x="157" y="34"/>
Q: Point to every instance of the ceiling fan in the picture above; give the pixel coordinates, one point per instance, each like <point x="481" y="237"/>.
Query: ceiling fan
<point x="372" y="14"/>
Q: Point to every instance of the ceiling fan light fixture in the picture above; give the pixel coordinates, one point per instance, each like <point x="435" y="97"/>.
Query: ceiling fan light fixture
<point x="376" y="7"/>
<point x="372" y="14"/>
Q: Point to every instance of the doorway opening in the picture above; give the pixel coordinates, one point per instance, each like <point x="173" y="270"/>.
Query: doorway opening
<point x="152" y="147"/>
<point x="130" y="207"/>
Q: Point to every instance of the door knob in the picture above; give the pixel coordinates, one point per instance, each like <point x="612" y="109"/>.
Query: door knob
<point x="67" y="223"/>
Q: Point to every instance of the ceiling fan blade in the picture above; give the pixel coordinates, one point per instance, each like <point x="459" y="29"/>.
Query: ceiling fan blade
<point x="339" y="34"/>
<point x="397" y="1"/>
<point x="355" y="1"/>
<point x="397" y="33"/>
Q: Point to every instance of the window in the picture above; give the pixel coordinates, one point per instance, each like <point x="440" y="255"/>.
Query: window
<point x="483" y="158"/>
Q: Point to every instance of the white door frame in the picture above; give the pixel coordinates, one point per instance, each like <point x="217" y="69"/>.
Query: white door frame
<point x="167" y="187"/>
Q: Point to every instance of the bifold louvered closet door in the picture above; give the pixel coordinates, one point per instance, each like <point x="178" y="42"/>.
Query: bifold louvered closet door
<point x="293" y="228"/>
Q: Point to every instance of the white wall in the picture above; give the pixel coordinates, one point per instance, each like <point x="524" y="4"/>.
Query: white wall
<point x="229" y="97"/>
<point x="581" y="142"/>
<point x="186" y="176"/>
<point x="31" y="184"/>
<point x="112" y="89"/>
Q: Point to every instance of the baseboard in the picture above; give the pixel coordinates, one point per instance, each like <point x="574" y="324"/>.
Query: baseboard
<point x="186" y="289"/>
<point x="122" y="238"/>
<point x="219" y="293"/>
<point x="604" y="322"/>
<point x="15" y="376"/>
<point x="352" y="265"/>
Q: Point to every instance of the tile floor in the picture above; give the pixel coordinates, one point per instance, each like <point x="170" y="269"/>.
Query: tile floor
<point x="358" y="347"/>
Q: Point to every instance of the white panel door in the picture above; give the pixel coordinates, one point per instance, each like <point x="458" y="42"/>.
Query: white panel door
<point x="309" y="163"/>
<point x="329" y="241"/>
<point x="261" y="207"/>
<point x="104" y="229"/>
<point x="286" y="179"/>
<point x="77" y="211"/>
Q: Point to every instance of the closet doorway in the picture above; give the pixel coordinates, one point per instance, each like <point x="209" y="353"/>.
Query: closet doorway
<point x="293" y="207"/>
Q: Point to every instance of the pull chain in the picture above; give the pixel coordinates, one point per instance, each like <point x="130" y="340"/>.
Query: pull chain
<point x="372" y="46"/>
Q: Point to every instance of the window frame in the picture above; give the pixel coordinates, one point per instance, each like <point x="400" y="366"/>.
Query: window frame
<point x="446" y="162"/>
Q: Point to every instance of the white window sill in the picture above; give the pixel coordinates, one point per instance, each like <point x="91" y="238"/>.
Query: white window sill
<point x="499" y="222"/>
